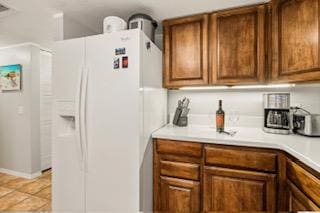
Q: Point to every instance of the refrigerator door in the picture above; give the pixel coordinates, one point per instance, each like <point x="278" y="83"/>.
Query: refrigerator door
<point x="112" y="122"/>
<point x="67" y="154"/>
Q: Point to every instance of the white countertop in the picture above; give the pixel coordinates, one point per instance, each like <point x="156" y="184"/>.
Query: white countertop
<point x="306" y="149"/>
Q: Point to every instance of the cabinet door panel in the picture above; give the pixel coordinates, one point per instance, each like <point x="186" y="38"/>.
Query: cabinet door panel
<point x="232" y="190"/>
<point x="183" y="67"/>
<point x="237" y="39"/>
<point x="185" y="51"/>
<point x="298" y="201"/>
<point x="178" y="195"/>
<point x="295" y="40"/>
<point x="305" y="180"/>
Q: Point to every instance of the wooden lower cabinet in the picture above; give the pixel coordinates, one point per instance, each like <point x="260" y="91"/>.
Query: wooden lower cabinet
<point x="179" y="195"/>
<point x="230" y="190"/>
<point x="304" y="180"/>
<point x="195" y="177"/>
<point x="298" y="201"/>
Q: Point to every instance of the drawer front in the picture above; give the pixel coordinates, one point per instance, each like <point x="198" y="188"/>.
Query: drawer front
<point x="180" y="170"/>
<point x="179" y="148"/>
<point x="304" y="180"/>
<point x="248" y="159"/>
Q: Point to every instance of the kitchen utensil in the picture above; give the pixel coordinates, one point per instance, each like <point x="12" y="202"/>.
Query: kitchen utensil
<point x="231" y="133"/>
<point x="181" y="114"/>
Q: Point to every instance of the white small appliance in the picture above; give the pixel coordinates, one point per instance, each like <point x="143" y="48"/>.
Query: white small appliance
<point x="114" y="24"/>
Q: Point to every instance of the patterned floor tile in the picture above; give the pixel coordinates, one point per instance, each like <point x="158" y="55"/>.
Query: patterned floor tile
<point x="49" y="171"/>
<point x="12" y="199"/>
<point x="4" y="178"/>
<point x="44" y="193"/>
<point x="35" y="186"/>
<point x="46" y="176"/>
<point x="4" y="191"/>
<point x="17" y="183"/>
<point x="30" y="204"/>
<point x="46" y="207"/>
<point x="16" y="193"/>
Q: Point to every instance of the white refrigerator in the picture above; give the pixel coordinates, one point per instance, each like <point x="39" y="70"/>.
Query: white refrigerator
<point x="108" y="99"/>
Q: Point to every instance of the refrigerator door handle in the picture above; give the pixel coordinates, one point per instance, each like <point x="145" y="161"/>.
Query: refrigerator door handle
<point x="83" y="117"/>
<point x="78" y="118"/>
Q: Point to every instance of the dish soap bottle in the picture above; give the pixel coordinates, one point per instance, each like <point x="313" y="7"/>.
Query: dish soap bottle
<point x="220" y="118"/>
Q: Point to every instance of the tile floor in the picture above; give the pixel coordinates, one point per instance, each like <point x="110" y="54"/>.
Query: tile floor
<point x="19" y="194"/>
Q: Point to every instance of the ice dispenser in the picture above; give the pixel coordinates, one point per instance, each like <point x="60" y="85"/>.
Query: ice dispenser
<point x="66" y="117"/>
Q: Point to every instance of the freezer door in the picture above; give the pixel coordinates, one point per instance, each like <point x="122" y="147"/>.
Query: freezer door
<point x="68" y="173"/>
<point x="112" y="121"/>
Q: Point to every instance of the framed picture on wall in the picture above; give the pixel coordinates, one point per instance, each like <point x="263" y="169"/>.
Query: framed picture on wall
<point x="10" y="77"/>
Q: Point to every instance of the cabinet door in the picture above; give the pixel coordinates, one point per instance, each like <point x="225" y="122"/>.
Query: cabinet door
<point x="232" y="190"/>
<point x="295" y="40"/>
<point x="185" y="51"/>
<point x="178" y="195"/>
<point x="298" y="201"/>
<point x="237" y="45"/>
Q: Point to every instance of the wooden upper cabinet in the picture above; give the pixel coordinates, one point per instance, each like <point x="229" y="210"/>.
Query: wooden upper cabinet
<point x="237" y="45"/>
<point x="295" y="40"/>
<point x="230" y="190"/>
<point x="185" y="51"/>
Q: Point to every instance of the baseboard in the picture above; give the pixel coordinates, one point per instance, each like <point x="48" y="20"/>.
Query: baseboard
<point x="20" y="174"/>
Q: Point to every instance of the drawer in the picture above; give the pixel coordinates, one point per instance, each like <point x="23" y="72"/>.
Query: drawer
<point x="242" y="158"/>
<point x="179" y="148"/>
<point x="180" y="170"/>
<point x="304" y="180"/>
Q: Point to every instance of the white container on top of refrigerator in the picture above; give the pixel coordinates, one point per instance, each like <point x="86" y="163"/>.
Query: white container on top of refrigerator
<point x="102" y="151"/>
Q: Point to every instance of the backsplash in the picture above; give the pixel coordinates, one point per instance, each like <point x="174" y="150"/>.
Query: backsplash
<point x="247" y="102"/>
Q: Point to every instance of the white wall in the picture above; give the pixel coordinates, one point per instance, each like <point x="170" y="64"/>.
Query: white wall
<point x="67" y="28"/>
<point x="158" y="40"/>
<point x="248" y="102"/>
<point x="19" y="131"/>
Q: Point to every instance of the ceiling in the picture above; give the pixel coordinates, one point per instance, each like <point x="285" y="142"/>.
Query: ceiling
<point x="33" y="20"/>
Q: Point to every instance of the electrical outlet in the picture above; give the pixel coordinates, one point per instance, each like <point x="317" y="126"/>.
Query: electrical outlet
<point x="20" y="110"/>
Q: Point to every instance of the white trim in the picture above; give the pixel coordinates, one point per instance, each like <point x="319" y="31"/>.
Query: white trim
<point x="20" y="174"/>
<point x="26" y="44"/>
<point x="46" y="52"/>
